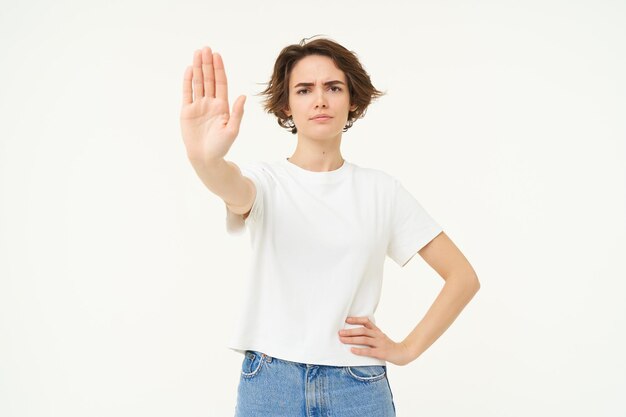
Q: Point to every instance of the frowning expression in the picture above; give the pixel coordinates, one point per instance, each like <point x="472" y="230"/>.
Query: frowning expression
<point x="319" y="100"/>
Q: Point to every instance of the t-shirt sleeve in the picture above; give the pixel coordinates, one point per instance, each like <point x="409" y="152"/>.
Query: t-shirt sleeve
<point x="235" y="223"/>
<point x="411" y="226"/>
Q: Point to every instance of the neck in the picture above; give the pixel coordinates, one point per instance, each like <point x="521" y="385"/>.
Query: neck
<point x="315" y="155"/>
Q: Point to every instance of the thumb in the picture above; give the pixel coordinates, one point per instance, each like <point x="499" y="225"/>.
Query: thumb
<point x="237" y="114"/>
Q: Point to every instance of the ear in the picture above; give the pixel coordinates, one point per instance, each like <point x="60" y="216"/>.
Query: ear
<point x="353" y="107"/>
<point x="287" y="111"/>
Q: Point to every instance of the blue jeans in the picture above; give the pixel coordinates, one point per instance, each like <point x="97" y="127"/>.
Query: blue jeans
<point x="273" y="387"/>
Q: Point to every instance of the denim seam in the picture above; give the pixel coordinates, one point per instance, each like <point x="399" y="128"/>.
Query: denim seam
<point x="365" y="379"/>
<point x="256" y="370"/>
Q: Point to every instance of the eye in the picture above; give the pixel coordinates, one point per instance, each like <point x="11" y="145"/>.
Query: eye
<point x="337" y="88"/>
<point x="299" y="91"/>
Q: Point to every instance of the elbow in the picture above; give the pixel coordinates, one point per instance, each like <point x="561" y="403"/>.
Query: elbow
<point x="472" y="279"/>
<point x="472" y="283"/>
<point x="475" y="283"/>
<point x="468" y="281"/>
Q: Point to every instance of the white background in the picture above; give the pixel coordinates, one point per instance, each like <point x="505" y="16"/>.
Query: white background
<point x="506" y="120"/>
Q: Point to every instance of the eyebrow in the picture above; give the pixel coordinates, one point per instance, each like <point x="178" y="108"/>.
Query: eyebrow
<point x="326" y="83"/>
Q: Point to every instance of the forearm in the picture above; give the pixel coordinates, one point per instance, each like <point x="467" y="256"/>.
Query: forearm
<point x="221" y="178"/>
<point x="454" y="296"/>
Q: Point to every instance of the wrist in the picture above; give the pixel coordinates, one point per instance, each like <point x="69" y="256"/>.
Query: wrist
<point x="411" y="350"/>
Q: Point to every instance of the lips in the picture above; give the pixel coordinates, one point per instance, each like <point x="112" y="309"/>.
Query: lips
<point x="321" y="117"/>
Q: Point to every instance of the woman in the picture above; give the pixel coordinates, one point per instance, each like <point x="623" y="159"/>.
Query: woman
<point x="320" y="228"/>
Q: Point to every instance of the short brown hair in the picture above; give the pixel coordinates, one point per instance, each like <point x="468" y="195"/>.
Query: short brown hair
<point x="360" y="87"/>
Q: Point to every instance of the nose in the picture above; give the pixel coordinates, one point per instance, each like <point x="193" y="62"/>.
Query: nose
<point x="321" y="100"/>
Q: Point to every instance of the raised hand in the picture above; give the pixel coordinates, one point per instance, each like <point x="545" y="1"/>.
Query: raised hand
<point x="207" y="126"/>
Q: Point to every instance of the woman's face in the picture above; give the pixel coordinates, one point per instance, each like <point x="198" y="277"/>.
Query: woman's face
<point x="317" y="86"/>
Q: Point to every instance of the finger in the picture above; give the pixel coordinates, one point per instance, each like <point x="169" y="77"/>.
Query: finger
<point x="363" y="351"/>
<point x="221" y="84"/>
<point x="361" y="320"/>
<point x="237" y="114"/>
<point x="198" y="89"/>
<point x="187" y="91"/>
<point x="357" y="331"/>
<point x="207" y="71"/>
<point x="369" y="324"/>
<point x="362" y="340"/>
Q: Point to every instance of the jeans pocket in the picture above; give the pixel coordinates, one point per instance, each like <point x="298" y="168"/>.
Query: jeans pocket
<point x="252" y="364"/>
<point x="367" y="373"/>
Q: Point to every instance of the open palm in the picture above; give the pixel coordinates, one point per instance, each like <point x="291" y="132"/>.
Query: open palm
<point x="207" y="126"/>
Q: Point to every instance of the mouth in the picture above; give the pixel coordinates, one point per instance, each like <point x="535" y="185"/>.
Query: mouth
<point x="321" y="118"/>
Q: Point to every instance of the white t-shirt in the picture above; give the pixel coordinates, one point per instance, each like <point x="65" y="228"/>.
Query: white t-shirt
<point x="319" y="243"/>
